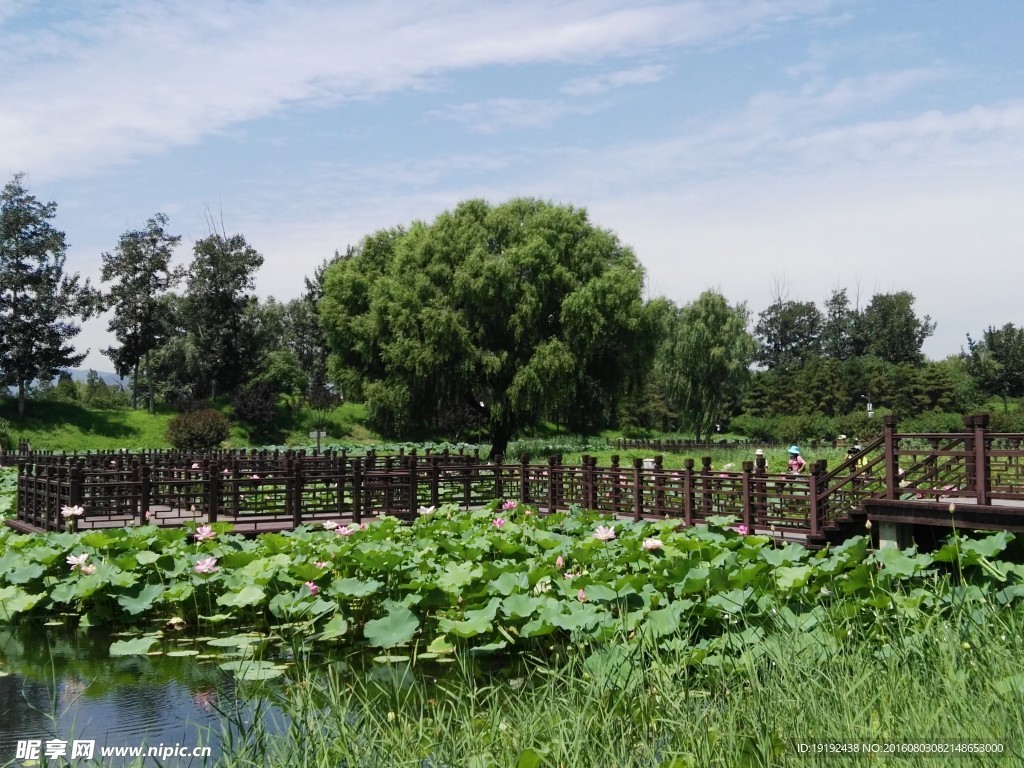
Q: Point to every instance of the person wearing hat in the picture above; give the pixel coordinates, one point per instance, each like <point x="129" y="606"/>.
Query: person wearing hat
<point x="796" y="461"/>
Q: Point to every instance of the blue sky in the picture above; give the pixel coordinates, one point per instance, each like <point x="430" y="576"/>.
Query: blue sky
<point x="762" y="148"/>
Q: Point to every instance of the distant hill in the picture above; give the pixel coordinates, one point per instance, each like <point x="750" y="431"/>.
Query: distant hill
<point x="107" y="376"/>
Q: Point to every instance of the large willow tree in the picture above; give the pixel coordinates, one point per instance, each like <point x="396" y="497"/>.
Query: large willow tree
<point x="704" y="360"/>
<point x="519" y="312"/>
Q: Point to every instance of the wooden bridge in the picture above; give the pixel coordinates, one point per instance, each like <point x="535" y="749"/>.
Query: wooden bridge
<point x="902" y="481"/>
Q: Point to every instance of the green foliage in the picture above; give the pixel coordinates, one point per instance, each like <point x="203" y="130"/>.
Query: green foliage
<point x="996" y="362"/>
<point x="788" y="332"/>
<point x="892" y="331"/>
<point x="280" y="372"/>
<point x="141" y="271"/>
<point x="522" y="312"/>
<point x="39" y="303"/>
<point x="837" y="389"/>
<point x="703" y="361"/>
<point x="255" y="406"/>
<point x="216" y="340"/>
<point x="499" y="575"/>
<point x="198" y="430"/>
<point x="1007" y="421"/>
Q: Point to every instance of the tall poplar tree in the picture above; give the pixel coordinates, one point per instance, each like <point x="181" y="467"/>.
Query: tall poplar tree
<point x="39" y="303"/>
<point x="141" y="267"/>
<point x="217" y="286"/>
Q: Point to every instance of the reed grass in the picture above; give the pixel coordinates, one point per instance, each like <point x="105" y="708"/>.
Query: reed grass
<point x="954" y="681"/>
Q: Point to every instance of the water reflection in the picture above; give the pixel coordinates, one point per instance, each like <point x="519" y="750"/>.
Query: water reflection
<point x="63" y="684"/>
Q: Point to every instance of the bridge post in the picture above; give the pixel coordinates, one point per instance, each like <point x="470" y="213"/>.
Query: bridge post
<point x="357" y="490"/>
<point x="659" y="487"/>
<point x="590" y="482"/>
<point x="896" y="535"/>
<point x="813" y="511"/>
<point x="552" y="486"/>
<point x="979" y="458"/>
<point x="891" y="458"/>
<point x="748" y="500"/>
<point x="616" y="484"/>
<point x="435" y="480"/>
<point x="688" y="492"/>
<point x="524" y="482"/>
<point x="638" y="489"/>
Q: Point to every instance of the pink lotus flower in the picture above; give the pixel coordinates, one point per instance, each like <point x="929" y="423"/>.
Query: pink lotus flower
<point x="205" y="532"/>
<point x="77" y="561"/>
<point x="150" y="515"/>
<point x="329" y="525"/>
<point x="88" y="569"/>
<point x="254" y="477"/>
<point x="347" y="530"/>
<point x="322" y="564"/>
<point x="206" y="565"/>
<point x="581" y="596"/>
<point x="75" y="511"/>
<point x="510" y="504"/>
<point x="197" y="465"/>
<point x="604" y="532"/>
<point x="225" y="471"/>
<point x="363" y="526"/>
<point x="742" y="530"/>
<point x="569" y="575"/>
<point x="312" y="587"/>
<point x="498" y="522"/>
<point x="559" y="562"/>
<point x="651" y="544"/>
<point x="205" y="699"/>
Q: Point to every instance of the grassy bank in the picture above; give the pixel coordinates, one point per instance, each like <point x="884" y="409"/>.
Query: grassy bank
<point x="71" y="427"/>
<point x="957" y="682"/>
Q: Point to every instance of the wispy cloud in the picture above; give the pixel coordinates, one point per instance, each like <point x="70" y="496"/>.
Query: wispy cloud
<point x="586" y="86"/>
<point x="494" y="115"/>
<point x="138" y="76"/>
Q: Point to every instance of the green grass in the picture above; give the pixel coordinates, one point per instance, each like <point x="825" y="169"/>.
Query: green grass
<point x="959" y="681"/>
<point x="60" y="426"/>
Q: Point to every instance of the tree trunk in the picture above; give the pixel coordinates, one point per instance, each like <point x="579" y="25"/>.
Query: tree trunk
<point x="149" y="382"/>
<point x="21" y="398"/>
<point x="135" y="386"/>
<point x="500" y="435"/>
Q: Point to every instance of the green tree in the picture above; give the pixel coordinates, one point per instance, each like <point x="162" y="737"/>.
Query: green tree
<point x="521" y="311"/>
<point x="839" y="337"/>
<point x="140" y="267"/>
<point x="891" y="329"/>
<point x="704" y="360"/>
<point x="996" y="361"/>
<point x="304" y="332"/>
<point x="39" y="303"/>
<point x="216" y="303"/>
<point x="788" y="334"/>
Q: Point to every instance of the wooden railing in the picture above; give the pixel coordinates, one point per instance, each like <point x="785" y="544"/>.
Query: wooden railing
<point x="291" y="489"/>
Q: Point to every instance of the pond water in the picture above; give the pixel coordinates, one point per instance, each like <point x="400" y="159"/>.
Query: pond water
<point x="62" y="684"/>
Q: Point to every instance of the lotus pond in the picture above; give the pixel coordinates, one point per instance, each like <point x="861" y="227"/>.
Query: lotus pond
<point x="627" y="619"/>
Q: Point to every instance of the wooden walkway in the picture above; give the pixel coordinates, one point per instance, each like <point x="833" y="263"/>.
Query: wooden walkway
<point x="907" y="479"/>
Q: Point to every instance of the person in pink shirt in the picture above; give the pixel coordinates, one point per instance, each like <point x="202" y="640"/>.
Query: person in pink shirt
<point x="796" y="462"/>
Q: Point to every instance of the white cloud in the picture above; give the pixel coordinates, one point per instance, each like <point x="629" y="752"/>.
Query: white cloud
<point x="139" y="77"/>
<point x="494" y="115"/>
<point x="587" y="86"/>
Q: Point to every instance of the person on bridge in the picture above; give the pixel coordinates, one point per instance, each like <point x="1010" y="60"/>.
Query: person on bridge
<point x="796" y="462"/>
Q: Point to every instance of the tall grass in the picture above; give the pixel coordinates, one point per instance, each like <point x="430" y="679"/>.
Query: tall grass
<point x="956" y="681"/>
